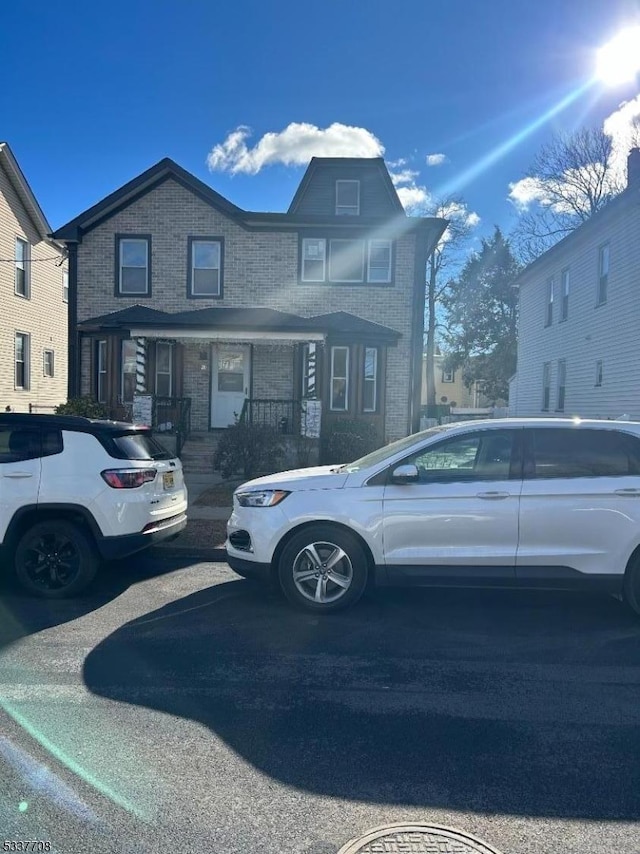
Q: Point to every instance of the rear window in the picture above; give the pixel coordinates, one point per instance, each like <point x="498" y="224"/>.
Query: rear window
<point x="135" y="446"/>
<point x="585" y="453"/>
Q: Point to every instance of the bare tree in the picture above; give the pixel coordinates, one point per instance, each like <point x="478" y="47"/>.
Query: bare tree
<point x="443" y="264"/>
<point x="571" y="179"/>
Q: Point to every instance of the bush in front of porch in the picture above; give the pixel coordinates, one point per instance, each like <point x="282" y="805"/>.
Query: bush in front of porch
<point x="248" y="449"/>
<point x="349" y="439"/>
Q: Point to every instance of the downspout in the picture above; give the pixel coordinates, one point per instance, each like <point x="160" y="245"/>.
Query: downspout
<point x="73" y="356"/>
<point x="417" y="336"/>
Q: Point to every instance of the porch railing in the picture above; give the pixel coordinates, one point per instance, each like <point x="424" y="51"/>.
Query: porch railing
<point x="283" y="415"/>
<point x="173" y="415"/>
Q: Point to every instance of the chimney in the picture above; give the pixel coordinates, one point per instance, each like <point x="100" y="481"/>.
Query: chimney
<point x="633" y="168"/>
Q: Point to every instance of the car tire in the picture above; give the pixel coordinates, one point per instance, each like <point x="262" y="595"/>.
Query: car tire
<point x="55" y="559"/>
<point x="323" y="569"/>
<point x="631" y="586"/>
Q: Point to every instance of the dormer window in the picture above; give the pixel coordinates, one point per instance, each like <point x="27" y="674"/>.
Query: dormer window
<point x="347" y="198"/>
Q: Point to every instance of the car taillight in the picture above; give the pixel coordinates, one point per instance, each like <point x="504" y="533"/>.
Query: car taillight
<point x="128" y="478"/>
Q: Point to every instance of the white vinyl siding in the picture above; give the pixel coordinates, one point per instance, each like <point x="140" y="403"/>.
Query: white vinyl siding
<point x="599" y="373"/>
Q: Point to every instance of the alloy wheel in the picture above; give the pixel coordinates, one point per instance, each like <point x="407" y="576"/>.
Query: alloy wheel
<point x="322" y="572"/>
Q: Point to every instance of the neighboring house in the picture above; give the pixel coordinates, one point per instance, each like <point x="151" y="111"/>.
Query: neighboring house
<point x="450" y="388"/>
<point x="177" y="292"/>
<point x="33" y="285"/>
<point x="579" y="318"/>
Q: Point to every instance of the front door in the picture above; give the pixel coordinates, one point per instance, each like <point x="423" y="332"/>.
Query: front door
<point x="460" y="519"/>
<point x="230" y="375"/>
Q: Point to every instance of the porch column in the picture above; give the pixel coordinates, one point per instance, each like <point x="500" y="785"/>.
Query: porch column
<point x="141" y="365"/>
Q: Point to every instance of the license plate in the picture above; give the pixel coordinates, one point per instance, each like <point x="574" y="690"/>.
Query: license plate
<point x="167" y="480"/>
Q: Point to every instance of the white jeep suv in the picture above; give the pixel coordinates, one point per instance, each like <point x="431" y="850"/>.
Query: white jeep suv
<point x="75" y="491"/>
<point x="509" y="502"/>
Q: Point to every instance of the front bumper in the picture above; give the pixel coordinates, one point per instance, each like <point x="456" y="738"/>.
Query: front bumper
<point x="249" y="568"/>
<point x="112" y="548"/>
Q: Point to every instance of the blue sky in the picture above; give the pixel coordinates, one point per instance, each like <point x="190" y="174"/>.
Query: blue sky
<point x="98" y="92"/>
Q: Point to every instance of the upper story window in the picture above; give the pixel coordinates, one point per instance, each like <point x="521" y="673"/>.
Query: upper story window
<point x="548" y="314"/>
<point x="205" y="267"/>
<point x="448" y="376"/>
<point x="562" y="385"/>
<point x="65" y="286"/>
<point x="347" y="198"/>
<point x="546" y="386"/>
<point x="22" y="352"/>
<point x="379" y="266"/>
<point x="603" y="274"/>
<point x="346" y="261"/>
<point x="314" y="259"/>
<point x="48" y="363"/>
<point x="599" y="372"/>
<point x="22" y="268"/>
<point x="134" y="267"/>
<point x="564" y="294"/>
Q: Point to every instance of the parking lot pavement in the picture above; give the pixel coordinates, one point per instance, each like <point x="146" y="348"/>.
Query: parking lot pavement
<point x="179" y="706"/>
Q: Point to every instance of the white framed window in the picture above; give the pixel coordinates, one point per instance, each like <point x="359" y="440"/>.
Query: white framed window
<point x="101" y="371"/>
<point x="347" y="198"/>
<point x="47" y="363"/>
<point x="562" y="385"/>
<point x="346" y="261"/>
<point x="603" y="274"/>
<point x="546" y="386"/>
<point x="314" y="256"/>
<point x="599" y="372"/>
<point x="339" y="379"/>
<point x="22" y="283"/>
<point x="370" y="380"/>
<point x="164" y="369"/>
<point x="310" y="371"/>
<point x="548" y="314"/>
<point x="205" y="266"/>
<point x="22" y="352"/>
<point x="379" y="262"/>
<point x="448" y="376"/>
<point x="133" y="266"/>
<point x="127" y="370"/>
<point x="65" y="286"/>
<point x="564" y="294"/>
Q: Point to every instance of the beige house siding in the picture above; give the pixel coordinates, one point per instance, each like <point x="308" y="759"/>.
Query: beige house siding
<point x="260" y="269"/>
<point x="592" y="333"/>
<point x="455" y="392"/>
<point x="43" y="316"/>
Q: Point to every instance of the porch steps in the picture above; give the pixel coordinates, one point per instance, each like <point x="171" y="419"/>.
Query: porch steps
<point x="197" y="453"/>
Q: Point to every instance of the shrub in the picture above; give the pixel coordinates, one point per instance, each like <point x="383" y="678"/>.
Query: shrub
<point x="349" y="439"/>
<point x="249" y="449"/>
<point x="85" y="406"/>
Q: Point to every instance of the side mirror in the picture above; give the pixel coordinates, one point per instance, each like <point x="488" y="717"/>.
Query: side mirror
<point x="405" y="474"/>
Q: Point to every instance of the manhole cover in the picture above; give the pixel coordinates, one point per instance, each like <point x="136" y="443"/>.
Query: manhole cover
<point x="416" y="839"/>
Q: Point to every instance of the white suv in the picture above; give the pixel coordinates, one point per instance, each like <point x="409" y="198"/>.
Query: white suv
<point x="510" y="502"/>
<point x="74" y="491"/>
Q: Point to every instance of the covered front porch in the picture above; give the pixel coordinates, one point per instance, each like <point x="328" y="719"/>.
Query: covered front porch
<point x="206" y="369"/>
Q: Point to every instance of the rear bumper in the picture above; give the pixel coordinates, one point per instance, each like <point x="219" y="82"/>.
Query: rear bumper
<point x="249" y="568"/>
<point x="112" y="548"/>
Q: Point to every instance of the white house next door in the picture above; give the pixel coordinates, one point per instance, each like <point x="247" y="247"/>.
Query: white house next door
<point x="230" y="375"/>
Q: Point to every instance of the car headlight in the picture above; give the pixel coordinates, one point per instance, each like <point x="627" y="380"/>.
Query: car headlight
<point x="261" y="498"/>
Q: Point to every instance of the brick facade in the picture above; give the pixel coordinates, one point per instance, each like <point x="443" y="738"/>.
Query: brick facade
<point x="261" y="269"/>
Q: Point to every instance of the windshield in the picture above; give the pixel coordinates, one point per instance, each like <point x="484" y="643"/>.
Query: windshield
<point x="388" y="451"/>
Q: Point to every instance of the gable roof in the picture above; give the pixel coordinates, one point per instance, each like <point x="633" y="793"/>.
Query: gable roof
<point x="137" y="187"/>
<point x="350" y="163"/>
<point x="20" y="184"/>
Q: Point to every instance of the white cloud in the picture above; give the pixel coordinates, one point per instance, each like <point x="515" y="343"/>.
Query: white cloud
<point x="405" y="176"/>
<point x="436" y="159"/>
<point x="293" y="146"/>
<point x="414" y="198"/>
<point x="623" y="126"/>
<point x="396" y="164"/>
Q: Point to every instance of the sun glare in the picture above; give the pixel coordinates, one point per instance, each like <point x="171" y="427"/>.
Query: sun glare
<point x="619" y="60"/>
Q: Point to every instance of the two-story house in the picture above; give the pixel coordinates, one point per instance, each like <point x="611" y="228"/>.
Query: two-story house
<point x="451" y="389"/>
<point x="177" y="292"/>
<point x="579" y="317"/>
<point x="33" y="285"/>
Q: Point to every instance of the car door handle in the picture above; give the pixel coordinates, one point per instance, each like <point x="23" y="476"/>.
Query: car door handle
<point x="17" y="474"/>
<point x="493" y="495"/>
<point x="630" y="492"/>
